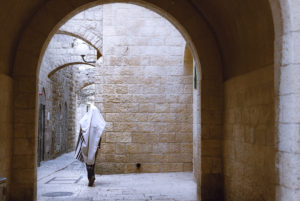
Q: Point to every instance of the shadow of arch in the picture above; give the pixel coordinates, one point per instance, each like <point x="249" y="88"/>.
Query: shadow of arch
<point x="81" y="38"/>
<point x="66" y="65"/>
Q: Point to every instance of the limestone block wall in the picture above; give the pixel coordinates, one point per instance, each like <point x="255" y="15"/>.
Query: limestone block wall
<point x="62" y="112"/>
<point x="144" y="94"/>
<point x="63" y="73"/>
<point x="84" y="75"/>
<point x="249" y="155"/>
<point x="45" y="89"/>
<point x="6" y="126"/>
<point x="60" y="96"/>
<point x="88" y="25"/>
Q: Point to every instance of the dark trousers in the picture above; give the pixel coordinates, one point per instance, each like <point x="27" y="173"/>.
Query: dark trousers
<point x="91" y="168"/>
<point x="90" y="171"/>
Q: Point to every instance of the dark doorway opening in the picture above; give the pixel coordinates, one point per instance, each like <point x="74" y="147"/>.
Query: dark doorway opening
<point x="41" y="128"/>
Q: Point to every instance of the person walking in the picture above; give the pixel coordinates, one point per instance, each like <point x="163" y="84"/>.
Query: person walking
<point x="91" y="128"/>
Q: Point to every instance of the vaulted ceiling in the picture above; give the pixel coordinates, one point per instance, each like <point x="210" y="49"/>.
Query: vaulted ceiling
<point x="243" y="29"/>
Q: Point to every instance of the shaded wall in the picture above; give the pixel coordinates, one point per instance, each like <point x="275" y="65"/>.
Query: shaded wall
<point x="249" y="153"/>
<point x="60" y="98"/>
<point x="62" y="119"/>
<point x="244" y="30"/>
<point x="6" y="126"/>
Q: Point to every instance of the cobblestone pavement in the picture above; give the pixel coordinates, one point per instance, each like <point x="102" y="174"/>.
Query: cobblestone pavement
<point x="65" y="179"/>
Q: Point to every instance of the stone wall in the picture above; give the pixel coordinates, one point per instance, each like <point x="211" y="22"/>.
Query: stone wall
<point x="45" y="89"/>
<point x="144" y="94"/>
<point x="249" y="154"/>
<point x="63" y="111"/>
<point x="59" y="113"/>
<point x="143" y="86"/>
<point x="60" y="104"/>
<point x="87" y="25"/>
<point x="63" y="74"/>
<point x="6" y="125"/>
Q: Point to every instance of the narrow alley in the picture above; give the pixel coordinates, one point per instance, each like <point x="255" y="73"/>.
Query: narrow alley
<point x="64" y="178"/>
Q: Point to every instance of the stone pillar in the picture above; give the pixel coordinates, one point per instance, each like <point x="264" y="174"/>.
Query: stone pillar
<point x="287" y="98"/>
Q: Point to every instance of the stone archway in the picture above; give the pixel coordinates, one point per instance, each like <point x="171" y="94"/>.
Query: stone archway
<point x="286" y="84"/>
<point x="32" y="46"/>
<point x="72" y="64"/>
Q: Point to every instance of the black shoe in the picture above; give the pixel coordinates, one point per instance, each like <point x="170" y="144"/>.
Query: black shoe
<point x="91" y="181"/>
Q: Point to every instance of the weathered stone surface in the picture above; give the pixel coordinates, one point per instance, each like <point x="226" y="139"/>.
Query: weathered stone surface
<point x="249" y="118"/>
<point x="6" y="127"/>
<point x="146" y="92"/>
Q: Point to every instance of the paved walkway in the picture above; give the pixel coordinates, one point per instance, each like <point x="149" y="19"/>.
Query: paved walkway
<point x="65" y="179"/>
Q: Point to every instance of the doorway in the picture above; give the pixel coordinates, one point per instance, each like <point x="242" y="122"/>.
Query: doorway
<point x="41" y="127"/>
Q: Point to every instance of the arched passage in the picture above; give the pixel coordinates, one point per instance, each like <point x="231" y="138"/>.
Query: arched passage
<point x="84" y="85"/>
<point x="67" y="65"/>
<point x="81" y="38"/>
<point x="28" y="54"/>
<point x="203" y="38"/>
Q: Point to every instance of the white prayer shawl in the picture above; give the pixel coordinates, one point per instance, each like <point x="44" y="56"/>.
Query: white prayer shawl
<point x="91" y="125"/>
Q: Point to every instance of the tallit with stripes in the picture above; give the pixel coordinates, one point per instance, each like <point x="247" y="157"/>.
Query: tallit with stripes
<point x="91" y="128"/>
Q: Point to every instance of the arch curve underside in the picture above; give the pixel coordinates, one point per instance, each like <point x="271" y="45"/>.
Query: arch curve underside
<point x="234" y="43"/>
